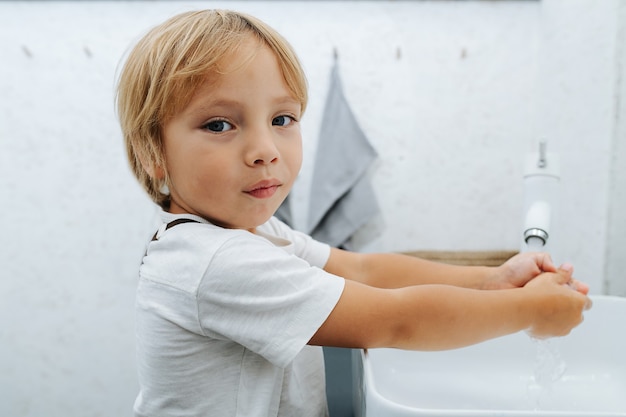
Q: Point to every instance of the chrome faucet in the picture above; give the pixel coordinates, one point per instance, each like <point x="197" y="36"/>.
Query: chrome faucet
<point x="541" y="180"/>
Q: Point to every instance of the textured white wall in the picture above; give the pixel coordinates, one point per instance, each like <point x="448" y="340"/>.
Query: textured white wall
<point x="616" y="219"/>
<point x="452" y="95"/>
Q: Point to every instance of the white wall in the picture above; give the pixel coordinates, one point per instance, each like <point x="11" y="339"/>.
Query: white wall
<point x="616" y="219"/>
<point x="452" y="95"/>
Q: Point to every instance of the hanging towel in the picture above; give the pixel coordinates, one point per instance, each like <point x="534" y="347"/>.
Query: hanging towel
<point x="342" y="199"/>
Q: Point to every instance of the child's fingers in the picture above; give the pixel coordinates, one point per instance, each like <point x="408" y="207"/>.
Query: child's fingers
<point x="567" y="267"/>
<point x="544" y="261"/>
<point x="581" y="287"/>
<point x="564" y="274"/>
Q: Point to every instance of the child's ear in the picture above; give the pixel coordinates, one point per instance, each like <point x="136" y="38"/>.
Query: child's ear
<point x="154" y="170"/>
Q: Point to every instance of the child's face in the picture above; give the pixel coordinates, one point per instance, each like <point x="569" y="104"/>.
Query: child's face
<point x="233" y="154"/>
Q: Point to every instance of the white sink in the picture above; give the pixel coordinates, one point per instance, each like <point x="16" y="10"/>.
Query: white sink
<point x="497" y="378"/>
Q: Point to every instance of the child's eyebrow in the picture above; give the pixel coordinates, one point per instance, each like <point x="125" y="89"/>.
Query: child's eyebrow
<point x="201" y="108"/>
<point x="287" y="100"/>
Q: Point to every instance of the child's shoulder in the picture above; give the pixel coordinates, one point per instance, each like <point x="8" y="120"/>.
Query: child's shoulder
<point x="193" y="233"/>
<point x="190" y="230"/>
<point x="183" y="254"/>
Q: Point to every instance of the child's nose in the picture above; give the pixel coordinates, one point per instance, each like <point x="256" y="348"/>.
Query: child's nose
<point x="262" y="149"/>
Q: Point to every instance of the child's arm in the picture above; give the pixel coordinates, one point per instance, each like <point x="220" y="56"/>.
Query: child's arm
<point x="396" y="271"/>
<point x="435" y="317"/>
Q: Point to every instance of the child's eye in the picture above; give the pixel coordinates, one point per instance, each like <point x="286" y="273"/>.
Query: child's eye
<point x="218" y="126"/>
<point x="282" y="120"/>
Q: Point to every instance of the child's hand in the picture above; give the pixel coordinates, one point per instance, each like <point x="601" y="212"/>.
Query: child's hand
<point x="559" y="306"/>
<point x="523" y="267"/>
<point x="518" y="270"/>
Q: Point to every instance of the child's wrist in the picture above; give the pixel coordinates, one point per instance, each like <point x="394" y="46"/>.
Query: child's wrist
<point x="492" y="278"/>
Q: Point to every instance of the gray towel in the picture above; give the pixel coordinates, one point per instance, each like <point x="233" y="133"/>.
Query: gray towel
<point x="342" y="199"/>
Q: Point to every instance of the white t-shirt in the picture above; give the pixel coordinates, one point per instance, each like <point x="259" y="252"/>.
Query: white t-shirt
<point x="223" y="318"/>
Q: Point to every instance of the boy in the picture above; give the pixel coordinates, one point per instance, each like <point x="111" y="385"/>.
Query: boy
<point x="232" y="305"/>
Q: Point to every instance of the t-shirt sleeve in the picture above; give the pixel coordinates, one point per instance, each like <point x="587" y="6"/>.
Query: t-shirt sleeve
<point x="314" y="252"/>
<point x="264" y="298"/>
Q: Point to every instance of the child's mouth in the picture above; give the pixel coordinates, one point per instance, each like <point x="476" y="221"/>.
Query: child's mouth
<point x="264" y="189"/>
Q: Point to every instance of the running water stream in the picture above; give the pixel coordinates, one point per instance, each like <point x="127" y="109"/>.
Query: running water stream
<point x="548" y="370"/>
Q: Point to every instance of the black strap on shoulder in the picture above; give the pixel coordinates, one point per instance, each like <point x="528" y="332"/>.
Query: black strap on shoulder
<point x="172" y="224"/>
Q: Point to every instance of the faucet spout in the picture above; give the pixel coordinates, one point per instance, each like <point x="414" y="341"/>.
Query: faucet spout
<point x="541" y="179"/>
<point x="537" y="226"/>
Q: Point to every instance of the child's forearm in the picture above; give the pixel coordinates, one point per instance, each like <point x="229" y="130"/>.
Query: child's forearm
<point x="396" y="271"/>
<point x="446" y="317"/>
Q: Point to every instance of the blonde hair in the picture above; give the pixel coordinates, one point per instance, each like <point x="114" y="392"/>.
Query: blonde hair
<point x="168" y="64"/>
